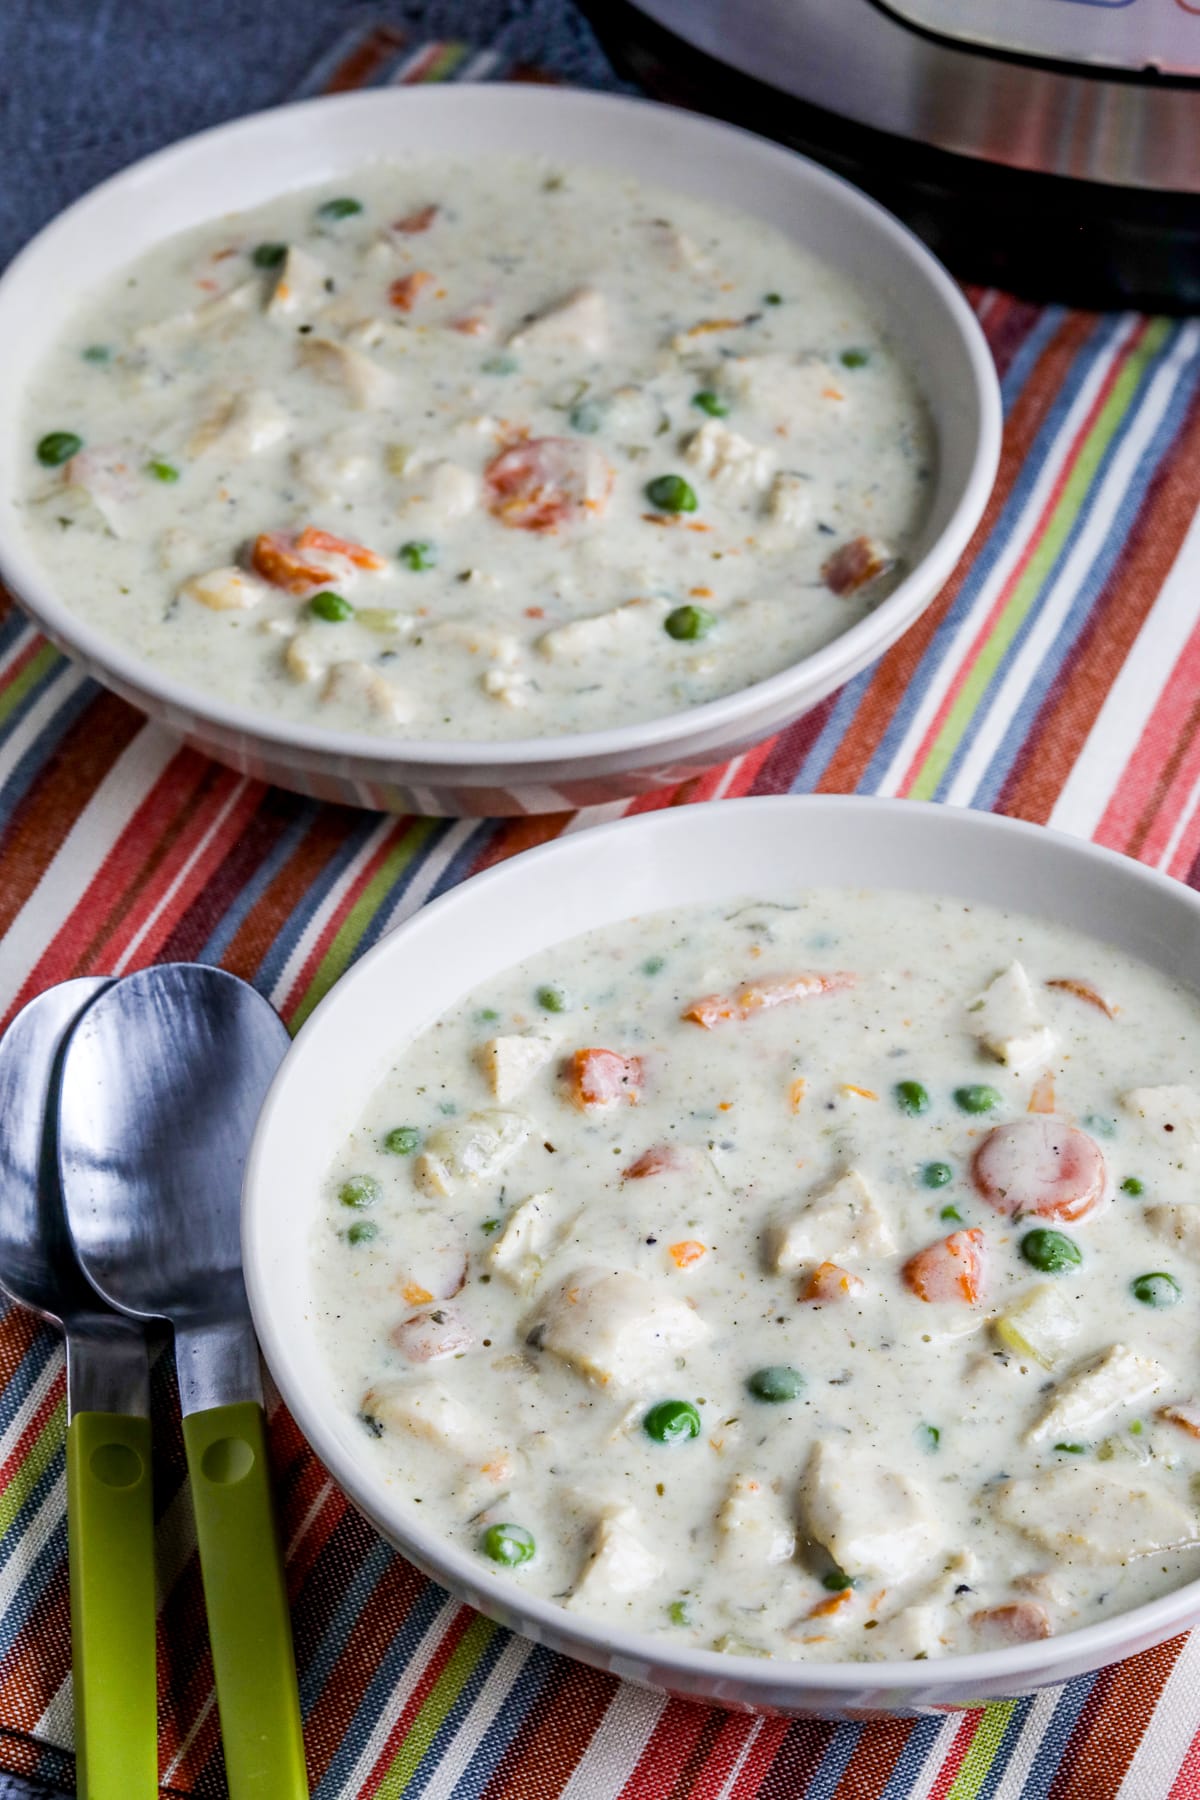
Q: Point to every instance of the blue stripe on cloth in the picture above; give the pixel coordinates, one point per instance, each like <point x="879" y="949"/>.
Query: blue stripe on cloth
<point x="274" y="962"/>
<point x="526" y="1691"/>
<point x="248" y="897"/>
<point x="45" y="1345"/>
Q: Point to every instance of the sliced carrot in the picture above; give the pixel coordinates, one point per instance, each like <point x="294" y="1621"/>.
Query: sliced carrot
<point x="1083" y="990"/>
<point x="417" y="221"/>
<point x="470" y="326"/>
<point x="542" y="483"/>
<point x="797" y="1092"/>
<point x="707" y="325"/>
<point x="1186" y="1415"/>
<point x="852" y="565"/>
<point x="605" y="1078"/>
<point x="684" y="1254"/>
<point x="829" y="1282"/>
<point x="848" y="1087"/>
<point x="277" y="559"/>
<point x="1040" y="1165"/>
<point x="825" y="1608"/>
<point x="358" y="554"/>
<point x="405" y="292"/>
<point x="415" y="1294"/>
<point x="654" y="1161"/>
<point x="756" y="997"/>
<point x="949" y="1270"/>
<point x="1042" y="1098"/>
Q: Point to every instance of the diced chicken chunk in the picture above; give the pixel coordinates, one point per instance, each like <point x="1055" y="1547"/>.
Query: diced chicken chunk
<point x="1006" y="1021"/>
<point x="306" y="657"/>
<point x="427" y="1411"/>
<point x="599" y="633"/>
<point x="530" y="1233"/>
<point x="1039" y="1325"/>
<point x="1115" y="1379"/>
<point x="871" y="1520"/>
<point x="357" y="684"/>
<point x="615" y="1326"/>
<point x="441" y="492"/>
<point x="219" y="317"/>
<point x="1178" y="1222"/>
<point x="331" y="467"/>
<point x="108" y="478"/>
<point x="241" y="425"/>
<point x="1172" y="1113"/>
<point x="1091" y="1515"/>
<point x="510" y="1062"/>
<point x="843" y="1220"/>
<point x="508" y="686"/>
<point x="300" y="288"/>
<point x="751" y="1525"/>
<point x="912" y="1633"/>
<point x="730" y="460"/>
<point x="469" y="1150"/>
<point x="789" y="500"/>
<point x="225" y="590"/>
<point x="619" y="1564"/>
<point x="579" y="322"/>
<point x="363" y="382"/>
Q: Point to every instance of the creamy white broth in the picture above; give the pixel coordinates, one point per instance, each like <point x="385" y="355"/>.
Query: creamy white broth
<point x="973" y="1493"/>
<point x="476" y="377"/>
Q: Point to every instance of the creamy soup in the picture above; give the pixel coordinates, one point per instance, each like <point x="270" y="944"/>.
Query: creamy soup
<point x="476" y="450"/>
<point x="812" y="1277"/>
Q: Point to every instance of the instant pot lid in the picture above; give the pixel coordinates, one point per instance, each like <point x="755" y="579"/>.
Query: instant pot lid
<point x="1072" y="180"/>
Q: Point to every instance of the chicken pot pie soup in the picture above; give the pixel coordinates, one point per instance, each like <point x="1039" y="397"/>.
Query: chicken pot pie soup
<point x="810" y="1277"/>
<point x="476" y="451"/>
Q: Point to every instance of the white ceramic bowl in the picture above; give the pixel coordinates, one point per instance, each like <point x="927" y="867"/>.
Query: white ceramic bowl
<point x="243" y="164"/>
<point x="703" y="853"/>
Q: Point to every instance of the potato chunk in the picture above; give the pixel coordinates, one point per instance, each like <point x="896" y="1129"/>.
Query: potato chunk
<point x="1090" y="1515"/>
<point x="600" y="633"/>
<point x="578" y="322"/>
<point x="530" y="1233"/>
<point x="730" y="461"/>
<point x="615" y="1326"/>
<point x="469" y="1150"/>
<point x="843" y="1220"/>
<point x="364" y="383"/>
<point x="1006" y="1021"/>
<point x="511" y="1061"/>
<point x="1178" y="1222"/>
<point x="1116" y="1378"/>
<point x="619" y="1564"/>
<point x="751" y="1526"/>
<point x="871" y="1520"/>
<point x="1041" y="1324"/>
<point x="225" y="590"/>
<point x="425" y="1410"/>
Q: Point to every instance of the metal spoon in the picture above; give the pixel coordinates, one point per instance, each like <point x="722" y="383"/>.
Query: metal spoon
<point x="110" y="1516"/>
<point x="162" y="1083"/>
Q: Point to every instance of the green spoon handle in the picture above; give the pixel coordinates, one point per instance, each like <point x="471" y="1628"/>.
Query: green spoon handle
<point x="244" y="1592"/>
<point x="110" y="1533"/>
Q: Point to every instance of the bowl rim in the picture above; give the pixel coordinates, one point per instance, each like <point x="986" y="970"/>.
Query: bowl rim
<point x="1091" y="1646"/>
<point x="723" y="717"/>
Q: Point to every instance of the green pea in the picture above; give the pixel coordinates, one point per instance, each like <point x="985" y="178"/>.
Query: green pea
<point x="837" y="1580"/>
<point x="500" y="365"/>
<point x="671" y="494"/>
<point x="359" y="1190"/>
<point x="1132" y="1185"/>
<point x="341" y="208"/>
<point x="951" y="1214"/>
<point x="587" y="417"/>
<point x="488" y="1226"/>
<point x="776" y="1383"/>
<point x="911" y="1098"/>
<point x="418" y="554"/>
<point x="977" y="1097"/>
<point x="97" y="353"/>
<point x="678" y="1613"/>
<point x="402" y="1140"/>
<point x="331" y="607"/>
<point x="362" y="1231"/>
<point x="672" y="1422"/>
<point x="688" y="622"/>
<point x="551" y="999"/>
<point x="268" y="256"/>
<point x="1072" y="1449"/>
<point x="1050" y="1251"/>
<point x="1156" y="1289"/>
<point x="937" y="1174"/>
<point x="58" y="447"/>
<point x="487" y="1015"/>
<point x="162" y="471"/>
<point x="508" y="1544"/>
<point x="773" y="299"/>
<point x="652" y="965"/>
<point x="929" y="1436"/>
<point x="711" y="403"/>
<point x="855" y="358"/>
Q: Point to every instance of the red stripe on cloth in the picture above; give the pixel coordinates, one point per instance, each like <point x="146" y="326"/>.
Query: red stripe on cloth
<point x="953" y="1761"/>
<point x="797" y="1759"/>
<point x="359" y="64"/>
<point x="287" y="889"/>
<point x="451" y="1638"/>
<point x="673" y="1753"/>
<point x="18" y="1329"/>
<point x="24" y="657"/>
<point x="337" y="918"/>
<point x="239" y="866"/>
<point x="33" y="1429"/>
<point x="1111" y="1725"/>
<point x="1031" y="545"/>
<point x="1186" y="1785"/>
<point x="761" y="1754"/>
<point x="730" y="1744"/>
<point x="568" y="1712"/>
<point x="875" y="1755"/>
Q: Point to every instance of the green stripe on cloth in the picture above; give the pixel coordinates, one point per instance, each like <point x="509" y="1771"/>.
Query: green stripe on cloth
<point x="33" y="1466"/>
<point x="39" y="664"/>
<point x="446" y="1689"/>
<point x="985" y="1746"/>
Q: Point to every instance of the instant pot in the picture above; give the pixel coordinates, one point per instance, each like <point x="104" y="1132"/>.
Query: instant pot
<point x="1049" y="146"/>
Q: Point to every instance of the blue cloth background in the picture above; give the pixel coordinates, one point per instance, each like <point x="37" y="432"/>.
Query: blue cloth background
<point x="87" y="86"/>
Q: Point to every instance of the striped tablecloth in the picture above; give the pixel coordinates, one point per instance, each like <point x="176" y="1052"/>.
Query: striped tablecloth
<point x="1056" y="678"/>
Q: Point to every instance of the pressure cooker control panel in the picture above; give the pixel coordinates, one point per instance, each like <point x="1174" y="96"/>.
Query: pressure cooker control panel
<point x="1122" y="34"/>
